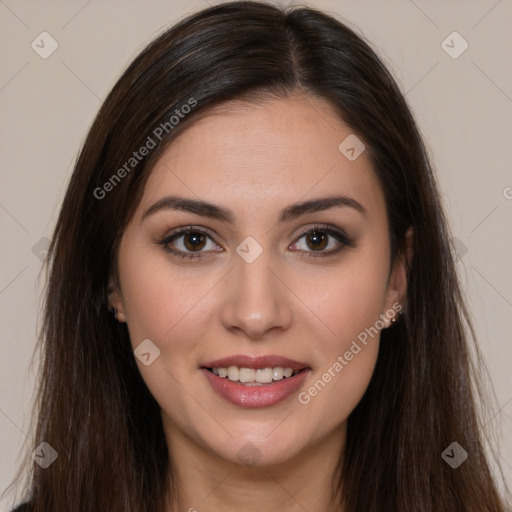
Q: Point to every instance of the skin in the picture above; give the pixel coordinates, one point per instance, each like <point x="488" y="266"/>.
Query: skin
<point x="255" y="160"/>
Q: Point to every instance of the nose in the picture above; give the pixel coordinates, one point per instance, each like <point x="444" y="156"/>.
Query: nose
<point x="255" y="302"/>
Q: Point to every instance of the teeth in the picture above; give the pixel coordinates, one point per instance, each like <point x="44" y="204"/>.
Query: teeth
<point x="246" y="375"/>
<point x="287" y="372"/>
<point x="233" y="373"/>
<point x="277" y="373"/>
<point x="251" y="376"/>
<point x="264" y="375"/>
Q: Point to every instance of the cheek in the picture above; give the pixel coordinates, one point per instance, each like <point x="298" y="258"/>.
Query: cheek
<point x="158" y="299"/>
<point x="347" y="352"/>
<point x="349" y="302"/>
<point x="146" y="299"/>
<point x="161" y="305"/>
<point x="348" y="299"/>
<point x="171" y="307"/>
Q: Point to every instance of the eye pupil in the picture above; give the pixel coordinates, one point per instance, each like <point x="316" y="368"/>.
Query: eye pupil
<point x="317" y="240"/>
<point x="194" y="240"/>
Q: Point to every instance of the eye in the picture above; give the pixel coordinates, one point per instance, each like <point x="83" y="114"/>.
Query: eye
<point x="322" y="240"/>
<point x="189" y="242"/>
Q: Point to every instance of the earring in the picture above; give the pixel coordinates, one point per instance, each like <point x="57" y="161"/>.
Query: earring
<point x="395" y="318"/>
<point x="114" y="312"/>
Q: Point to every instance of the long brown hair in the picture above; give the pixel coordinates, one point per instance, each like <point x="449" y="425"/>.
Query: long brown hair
<point x="94" y="408"/>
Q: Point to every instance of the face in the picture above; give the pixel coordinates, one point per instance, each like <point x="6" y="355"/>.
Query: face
<point x="258" y="250"/>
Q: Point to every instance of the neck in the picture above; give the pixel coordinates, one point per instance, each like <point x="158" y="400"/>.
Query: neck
<point x="204" y="481"/>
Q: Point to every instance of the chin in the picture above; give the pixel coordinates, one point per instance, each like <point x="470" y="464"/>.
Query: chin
<point x="273" y="445"/>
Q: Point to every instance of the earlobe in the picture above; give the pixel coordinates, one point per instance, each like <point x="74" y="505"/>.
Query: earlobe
<point x="114" y="301"/>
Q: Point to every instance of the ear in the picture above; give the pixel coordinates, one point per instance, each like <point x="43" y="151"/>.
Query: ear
<point x="115" y="300"/>
<point x="397" y="284"/>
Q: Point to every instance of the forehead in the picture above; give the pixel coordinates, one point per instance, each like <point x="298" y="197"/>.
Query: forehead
<point x="253" y="156"/>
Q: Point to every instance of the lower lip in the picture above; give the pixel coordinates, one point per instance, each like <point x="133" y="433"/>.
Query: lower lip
<point x="255" y="396"/>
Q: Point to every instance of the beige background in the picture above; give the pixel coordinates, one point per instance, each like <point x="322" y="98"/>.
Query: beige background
<point x="463" y="106"/>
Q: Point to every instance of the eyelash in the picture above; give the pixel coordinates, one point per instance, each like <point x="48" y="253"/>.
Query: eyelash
<point x="341" y="237"/>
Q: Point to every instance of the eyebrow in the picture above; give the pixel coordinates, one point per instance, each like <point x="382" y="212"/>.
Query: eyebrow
<point x="293" y="211"/>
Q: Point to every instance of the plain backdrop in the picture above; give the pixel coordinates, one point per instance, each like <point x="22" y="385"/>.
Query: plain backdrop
<point x="463" y="104"/>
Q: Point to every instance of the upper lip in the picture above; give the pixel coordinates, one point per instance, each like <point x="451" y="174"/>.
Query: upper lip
<point x="266" y="361"/>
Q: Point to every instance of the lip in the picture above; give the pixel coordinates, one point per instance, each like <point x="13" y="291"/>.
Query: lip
<point x="268" y="361"/>
<point x="265" y="395"/>
<point x="255" y="396"/>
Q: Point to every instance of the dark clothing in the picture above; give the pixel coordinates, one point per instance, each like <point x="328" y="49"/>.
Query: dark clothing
<point x="21" y="508"/>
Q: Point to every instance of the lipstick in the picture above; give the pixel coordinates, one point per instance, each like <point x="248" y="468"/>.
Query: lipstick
<point x="255" y="382"/>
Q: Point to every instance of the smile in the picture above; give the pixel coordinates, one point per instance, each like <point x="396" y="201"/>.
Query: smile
<point x="255" y="382"/>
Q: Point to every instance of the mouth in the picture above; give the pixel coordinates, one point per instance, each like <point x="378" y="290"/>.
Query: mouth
<point x="255" y="382"/>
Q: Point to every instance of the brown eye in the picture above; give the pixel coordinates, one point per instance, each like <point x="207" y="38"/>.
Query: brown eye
<point x="321" y="241"/>
<point x="190" y="244"/>
<point x="194" y="241"/>
<point x="317" y="240"/>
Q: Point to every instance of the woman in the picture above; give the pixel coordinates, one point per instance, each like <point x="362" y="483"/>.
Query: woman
<point x="252" y="300"/>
